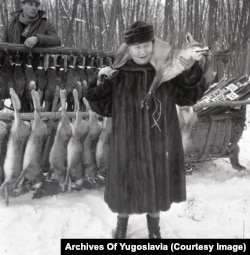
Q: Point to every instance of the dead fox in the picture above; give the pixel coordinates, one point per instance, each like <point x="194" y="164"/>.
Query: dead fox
<point x="168" y="65"/>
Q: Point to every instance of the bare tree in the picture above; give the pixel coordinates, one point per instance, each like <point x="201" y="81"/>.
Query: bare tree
<point x="69" y="39"/>
<point x="17" y="5"/>
<point x="4" y="12"/>
<point x="112" y="25"/>
<point x="120" y="22"/>
<point x="96" y="24"/>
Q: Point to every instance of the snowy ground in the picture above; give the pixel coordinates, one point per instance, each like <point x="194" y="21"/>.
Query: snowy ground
<point x="217" y="206"/>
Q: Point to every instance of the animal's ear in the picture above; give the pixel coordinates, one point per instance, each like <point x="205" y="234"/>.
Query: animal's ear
<point x="189" y="38"/>
<point x="114" y="72"/>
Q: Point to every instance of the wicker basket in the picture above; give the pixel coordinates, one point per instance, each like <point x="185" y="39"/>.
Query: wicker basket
<point x="215" y="136"/>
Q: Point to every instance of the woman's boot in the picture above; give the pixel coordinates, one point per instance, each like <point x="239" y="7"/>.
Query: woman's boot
<point x="153" y="227"/>
<point x="121" y="228"/>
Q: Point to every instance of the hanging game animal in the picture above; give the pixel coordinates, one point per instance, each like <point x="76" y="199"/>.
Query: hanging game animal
<point x="18" y="137"/>
<point x="58" y="153"/>
<point x="32" y="170"/>
<point x="89" y="147"/>
<point x="75" y="171"/>
<point x="30" y="84"/>
<point x="103" y="149"/>
<point x="42" y="80"/>
<point x="18" y="76"/>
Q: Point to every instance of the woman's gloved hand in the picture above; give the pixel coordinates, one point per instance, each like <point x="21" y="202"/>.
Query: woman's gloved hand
<point x="105" y="71"/>
<point x="196" y="56"/>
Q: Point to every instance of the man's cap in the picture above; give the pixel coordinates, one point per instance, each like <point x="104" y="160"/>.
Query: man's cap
<point x="34" y="1"/>
<point x="139" y="32"/>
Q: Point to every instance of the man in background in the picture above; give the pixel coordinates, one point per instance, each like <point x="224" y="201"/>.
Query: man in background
<point x="30" y="27"/>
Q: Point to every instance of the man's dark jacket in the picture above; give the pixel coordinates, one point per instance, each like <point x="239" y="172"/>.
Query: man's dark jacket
<point x="43" y="29"/>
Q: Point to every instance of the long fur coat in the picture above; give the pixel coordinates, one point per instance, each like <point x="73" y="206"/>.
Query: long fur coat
<point x="146" y="171"/>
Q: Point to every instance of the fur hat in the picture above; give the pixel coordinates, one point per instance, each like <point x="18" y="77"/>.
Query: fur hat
<point x="35" y="1"/>
<point x="139" y="32"/>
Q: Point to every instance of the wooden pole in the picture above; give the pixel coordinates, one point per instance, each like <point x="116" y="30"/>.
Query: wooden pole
<point x="57" y="115"/>
<point x="221" y="103"/>
<point x="12" y="47"/>
<point x="43" y="115"/>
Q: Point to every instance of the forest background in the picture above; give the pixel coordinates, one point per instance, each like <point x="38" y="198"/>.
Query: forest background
<point x="223" y="25"/>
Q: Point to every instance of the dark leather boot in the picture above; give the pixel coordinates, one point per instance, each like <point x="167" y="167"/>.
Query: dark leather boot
<point x="121" y="228"/>
<point x="153" y="227"/>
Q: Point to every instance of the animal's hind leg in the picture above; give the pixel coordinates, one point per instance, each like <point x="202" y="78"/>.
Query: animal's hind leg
<point x="3" y="186"/>
<point x="234" y="159"/>
<point x="6" y="195"/>
<point x="65" y="184"/>
<point x="17" y="186"/>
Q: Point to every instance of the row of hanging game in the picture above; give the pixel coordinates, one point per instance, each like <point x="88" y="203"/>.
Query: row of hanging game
<point x="50" y="139"/>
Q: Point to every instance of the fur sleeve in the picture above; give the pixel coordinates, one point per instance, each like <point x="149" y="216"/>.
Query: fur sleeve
<point x="100" y="97"/>
<point x="190" y="86"/>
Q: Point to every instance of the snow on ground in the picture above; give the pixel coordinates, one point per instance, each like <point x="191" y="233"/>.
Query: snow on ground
<point x="217" y="206"/>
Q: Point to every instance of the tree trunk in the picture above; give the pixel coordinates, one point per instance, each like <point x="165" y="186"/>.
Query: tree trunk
<point x="17" y="5"/>
<point x="197" y="29"/>
<point x="69" y="40"/>
<point x="120" y="23"/>
<point x="99" y="39"/>
<point x="5" y="13"/>
<point x="91" y="24"/>
<point x="166" y="15"/>
<point x="112" y="25"/>
<point x="212" y="22"/>
<point x="65" y="19"/>
<point x="146" y="10"/>
<point x="57" y="15"/>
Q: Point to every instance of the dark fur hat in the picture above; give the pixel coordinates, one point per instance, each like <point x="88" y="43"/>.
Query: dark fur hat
<point x="139" y="32"/>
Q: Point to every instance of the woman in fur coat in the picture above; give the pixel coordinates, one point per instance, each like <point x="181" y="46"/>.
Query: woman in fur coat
<point x="146" y="173"/>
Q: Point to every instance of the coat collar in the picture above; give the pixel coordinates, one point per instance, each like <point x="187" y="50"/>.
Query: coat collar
<point x="131" y="65"/>
<point x="161" y="49"/>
